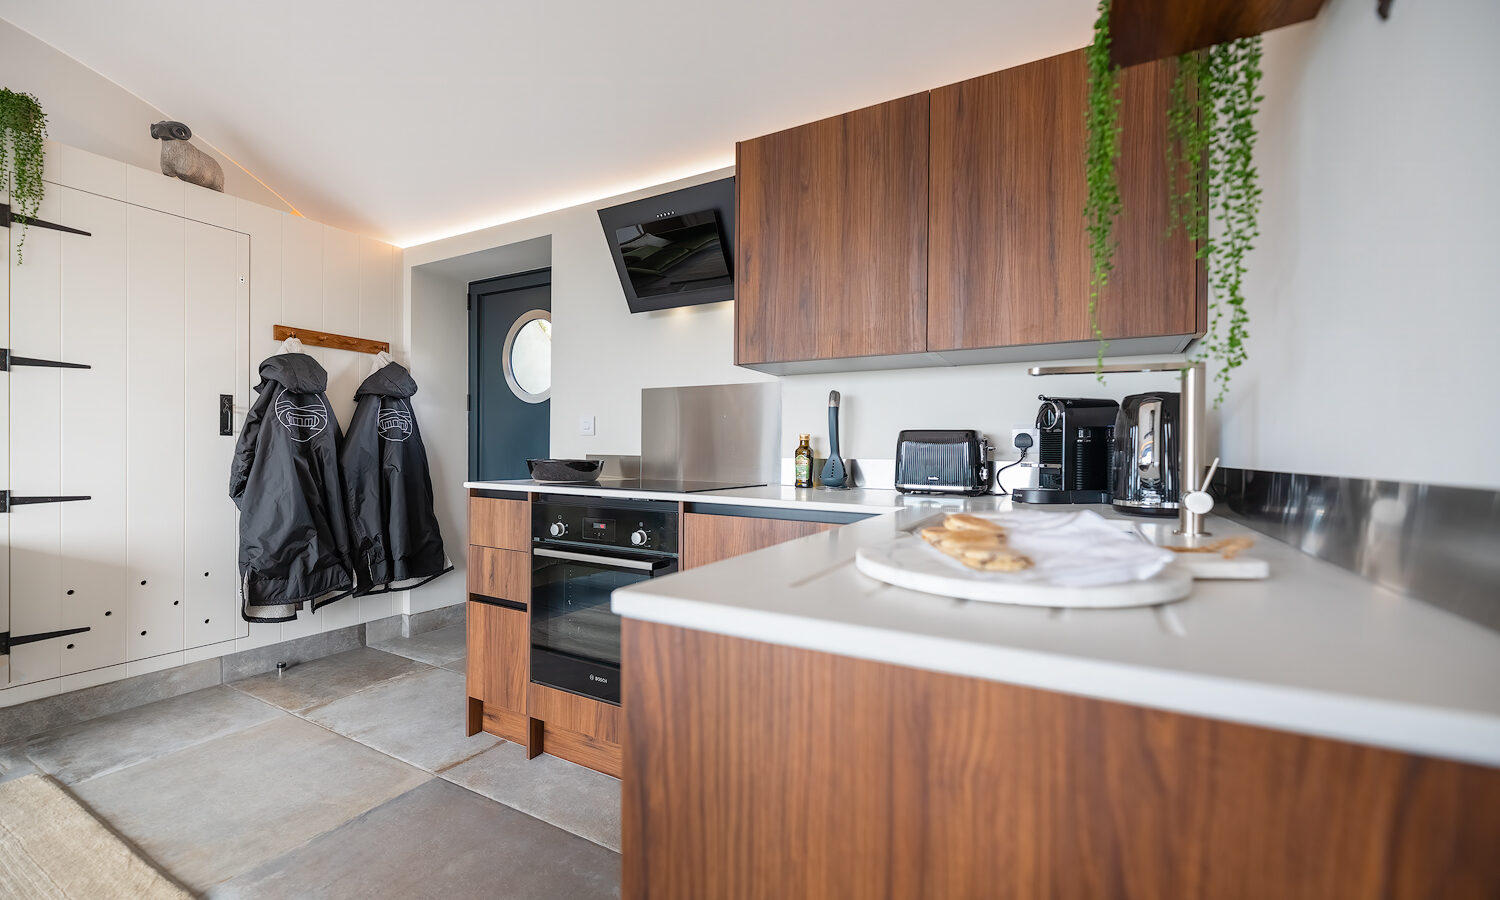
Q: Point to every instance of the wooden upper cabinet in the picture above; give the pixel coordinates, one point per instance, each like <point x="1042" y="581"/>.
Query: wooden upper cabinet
<point x="831" y="237"/>
<point x="1008" y="253"/>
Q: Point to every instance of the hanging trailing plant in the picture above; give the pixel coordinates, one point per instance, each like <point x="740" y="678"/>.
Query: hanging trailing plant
<point x="1211" y="143"/>
<point x="23" y="129"/>
<point x="1101" y="155"/>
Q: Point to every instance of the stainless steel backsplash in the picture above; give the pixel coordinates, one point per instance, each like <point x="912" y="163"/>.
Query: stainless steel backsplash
<point x="1438" y="544"/>
<point x="715" y="432"/>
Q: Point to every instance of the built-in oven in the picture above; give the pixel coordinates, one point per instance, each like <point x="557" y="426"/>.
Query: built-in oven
<point x="582" y="549"/>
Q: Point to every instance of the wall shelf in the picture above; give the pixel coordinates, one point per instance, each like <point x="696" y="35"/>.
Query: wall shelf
<point x="1145" y="30"/>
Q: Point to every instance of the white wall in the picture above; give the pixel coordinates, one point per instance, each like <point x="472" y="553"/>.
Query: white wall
<point x="437" y="326"/>
<point x="88" y="111"/>
<point x="1372" y="292"/>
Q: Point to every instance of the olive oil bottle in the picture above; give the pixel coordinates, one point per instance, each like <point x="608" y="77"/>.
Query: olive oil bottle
<point x="804" y="462"/>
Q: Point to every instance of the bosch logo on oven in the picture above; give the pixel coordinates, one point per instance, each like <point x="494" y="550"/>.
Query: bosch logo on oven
<point x="599" y="678"/>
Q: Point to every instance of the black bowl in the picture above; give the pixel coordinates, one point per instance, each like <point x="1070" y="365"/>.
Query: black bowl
<point x="565" y="471"/>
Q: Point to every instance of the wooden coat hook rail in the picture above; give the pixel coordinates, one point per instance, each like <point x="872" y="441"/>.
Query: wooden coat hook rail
<point x="327" y="339"/>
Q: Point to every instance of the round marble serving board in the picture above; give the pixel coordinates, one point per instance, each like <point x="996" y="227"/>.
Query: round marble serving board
<point x="908" y="562"/>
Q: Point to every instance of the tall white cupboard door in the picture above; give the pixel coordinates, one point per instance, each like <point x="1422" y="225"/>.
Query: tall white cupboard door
<point x="5" y="672"/>
<point x="93" y="402"/>
<point x="154" y="433"/>
<point x="214" y="330"/>
<point x="35" y="453"/>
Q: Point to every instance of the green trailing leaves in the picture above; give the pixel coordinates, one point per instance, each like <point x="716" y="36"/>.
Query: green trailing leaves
<point x="1101" y="155"/>
<point x="23" y="129"/>
<point x="1211" y="130"/>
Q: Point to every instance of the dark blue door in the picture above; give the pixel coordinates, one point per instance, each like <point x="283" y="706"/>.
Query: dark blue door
<point x="510" y="373"/>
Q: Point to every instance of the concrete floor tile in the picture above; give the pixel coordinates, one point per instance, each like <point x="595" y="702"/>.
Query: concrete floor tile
<point x="107" y="744"/>
<point x="438" y="840"/>
<point x="418" y="719"/>
<point x="324" y="680"/>
<point x="572" y="797"/>
<point x="223" y="807"/>
<point x="435" y="648"/>
<point x="14" y="763"/>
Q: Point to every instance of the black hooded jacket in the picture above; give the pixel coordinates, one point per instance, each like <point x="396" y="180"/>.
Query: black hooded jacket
<point x="294" y="531"/>
<point x="397" y="544"/>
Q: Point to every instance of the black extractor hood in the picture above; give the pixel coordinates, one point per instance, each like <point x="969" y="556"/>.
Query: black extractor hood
<point x="674" y="249"/>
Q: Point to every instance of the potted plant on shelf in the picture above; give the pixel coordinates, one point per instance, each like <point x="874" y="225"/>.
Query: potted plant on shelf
<point x="23" y="131"/>
<point x="1211" y="136"/>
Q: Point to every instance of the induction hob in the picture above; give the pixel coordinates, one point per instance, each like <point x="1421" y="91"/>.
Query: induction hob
<point x="663" y="485"/>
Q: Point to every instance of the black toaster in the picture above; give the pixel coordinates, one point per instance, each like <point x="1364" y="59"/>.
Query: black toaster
<point x="942" y="462"/>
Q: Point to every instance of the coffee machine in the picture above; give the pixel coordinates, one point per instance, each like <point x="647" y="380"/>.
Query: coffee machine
<point x="1075" y="436"/>
<point x="1147" y="434"/>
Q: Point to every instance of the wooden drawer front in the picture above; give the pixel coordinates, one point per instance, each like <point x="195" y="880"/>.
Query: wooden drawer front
<point x="501" y="574"/>
<point x="505" y="524"/>
<point x="499" y="655"/>
<point x="708" y="539"/>
<point x="561" y="709"/>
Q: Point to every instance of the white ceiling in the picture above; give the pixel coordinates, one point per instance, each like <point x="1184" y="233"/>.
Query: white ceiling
<point x="411" y="121"/>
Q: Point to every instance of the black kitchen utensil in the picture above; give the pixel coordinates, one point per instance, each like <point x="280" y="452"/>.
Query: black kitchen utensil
<point x="564" y="471"/>
<point x="833" y="475"/>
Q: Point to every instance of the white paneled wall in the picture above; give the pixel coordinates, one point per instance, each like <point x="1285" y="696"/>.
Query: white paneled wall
<point x="179" y="288"/>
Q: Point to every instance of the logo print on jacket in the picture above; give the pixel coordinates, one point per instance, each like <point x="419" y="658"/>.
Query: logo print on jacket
<point x="303" y="423"/>
<point x="395" y="424"/>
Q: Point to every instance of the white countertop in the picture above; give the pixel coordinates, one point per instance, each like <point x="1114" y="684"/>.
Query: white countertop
<point x="1314" y="649"/>
<point x="771" y="496"/>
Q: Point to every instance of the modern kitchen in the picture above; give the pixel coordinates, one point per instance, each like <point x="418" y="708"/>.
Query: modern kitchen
<point x="996" y="451"/>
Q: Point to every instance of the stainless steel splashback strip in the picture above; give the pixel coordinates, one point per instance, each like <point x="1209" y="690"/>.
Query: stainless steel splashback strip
<point x="716" y="432"/>
<point x="1437" y="544"/>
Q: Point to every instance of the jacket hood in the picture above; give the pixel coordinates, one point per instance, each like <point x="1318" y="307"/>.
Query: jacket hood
<point x="390" y="380"/>
<point x="297" y="372"/>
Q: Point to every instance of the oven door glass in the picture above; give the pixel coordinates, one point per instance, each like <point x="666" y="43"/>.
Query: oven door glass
<point x="575" y="638"/>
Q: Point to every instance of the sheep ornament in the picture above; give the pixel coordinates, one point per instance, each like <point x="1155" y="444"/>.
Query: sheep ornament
<point x="179" y="159"/>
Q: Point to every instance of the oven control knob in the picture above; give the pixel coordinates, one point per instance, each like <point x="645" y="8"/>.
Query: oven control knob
<point x="558" y="529"/>
<point x="639" y="537"/>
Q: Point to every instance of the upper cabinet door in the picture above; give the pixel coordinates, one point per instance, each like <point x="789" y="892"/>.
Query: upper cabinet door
<point x="1009" y="259"/>
<point x="831" y="238"/>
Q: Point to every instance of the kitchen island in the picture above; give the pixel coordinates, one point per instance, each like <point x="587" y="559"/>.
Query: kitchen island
<point x="794" y="728"/>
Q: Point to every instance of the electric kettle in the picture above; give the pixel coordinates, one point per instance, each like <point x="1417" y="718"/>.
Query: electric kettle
<point x="1146" y="454"/>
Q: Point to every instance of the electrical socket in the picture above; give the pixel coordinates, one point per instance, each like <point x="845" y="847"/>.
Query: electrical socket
<point x="586" y="426"/>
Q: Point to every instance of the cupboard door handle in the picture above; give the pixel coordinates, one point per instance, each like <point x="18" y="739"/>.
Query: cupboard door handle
<point x="7" y="501"/>
<point x="226" y="414"/>
<point x="8" y="361"/>
<point x="7" y="217"/>
<point x="7" y="642"/>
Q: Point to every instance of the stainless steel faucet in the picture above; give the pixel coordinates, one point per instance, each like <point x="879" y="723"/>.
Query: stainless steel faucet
<point x="1189" y="523"/>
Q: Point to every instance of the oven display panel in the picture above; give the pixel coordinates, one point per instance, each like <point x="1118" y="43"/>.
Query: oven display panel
<point x="599" y="529"/>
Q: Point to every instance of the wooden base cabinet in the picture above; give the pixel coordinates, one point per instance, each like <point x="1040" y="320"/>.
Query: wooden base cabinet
<point x="503" y="701"/>
<point x="710" y="538"/>
<point x="753" y="770"/>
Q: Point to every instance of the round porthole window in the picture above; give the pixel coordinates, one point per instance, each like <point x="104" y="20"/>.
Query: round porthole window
<point x="528" y="356"/>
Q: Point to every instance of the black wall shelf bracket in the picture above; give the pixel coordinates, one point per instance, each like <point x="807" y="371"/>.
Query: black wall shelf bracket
<point x="7" y="642"/>
<point x="7" y="217"/>
<point x="7" y="361"/>
<point x="7" y="501"/>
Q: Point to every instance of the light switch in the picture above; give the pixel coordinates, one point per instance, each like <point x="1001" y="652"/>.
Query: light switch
<point x="586" y="426"/>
